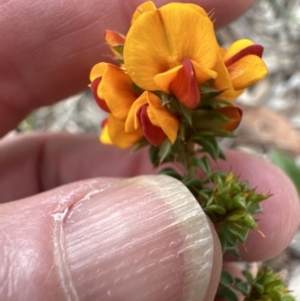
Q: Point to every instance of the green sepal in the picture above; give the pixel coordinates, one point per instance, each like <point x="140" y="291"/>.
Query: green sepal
<point x="118" y="48"/>
<point x="208" y="93"/>
<point x="178" y="108"/>
<point x="203" y="119"/>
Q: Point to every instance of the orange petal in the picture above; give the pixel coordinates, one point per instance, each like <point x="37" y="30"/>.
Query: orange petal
<point x="114" y="38"/>
<point x="97" y="71"/>
<point x="163" y="118"/>
<point x="234" y="114"/>
<point x="163" y="80"/>
<point x="247" y="71"/>
<point x="185" y="85"/>
<point x="116" y="42"/>
<point x="223" y="81"/>
<point x="118" y="136"/>
<point x="159" y="116"/>
<point x="146" y="6"/>
<point x="115" y="89"/>
<point x="152" y="133"/>
<point x="158" y="44"/>
<point x="132" y="121"/>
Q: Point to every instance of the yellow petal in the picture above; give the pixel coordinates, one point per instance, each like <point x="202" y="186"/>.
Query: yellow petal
<point x="247" y="71"/>
<point x="236" y="47"/>
<point x="115" y="89"/>
<point x="163" y="118"/>
<point x="118" y="135"/>
<point x="158" y="43"/>
<point x="146" y="6"/>
<point x="104" y="136"/>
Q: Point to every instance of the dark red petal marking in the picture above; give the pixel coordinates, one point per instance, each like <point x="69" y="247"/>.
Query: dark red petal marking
<point x="153" y="134"/>
<point x="101" y="103"/>
<point x="252" y="49"/>
<point x="104" y="123"/>
<point x="185" y="85"/>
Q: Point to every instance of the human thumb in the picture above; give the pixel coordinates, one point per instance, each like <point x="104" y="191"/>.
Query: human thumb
<point x="143" y="238"/>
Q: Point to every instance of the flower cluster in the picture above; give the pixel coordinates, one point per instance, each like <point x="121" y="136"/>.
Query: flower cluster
<point x="173" y="77"/>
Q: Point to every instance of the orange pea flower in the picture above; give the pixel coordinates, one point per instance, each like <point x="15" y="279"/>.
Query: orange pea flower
<point x="174" y="42"/>
<point x="238" y="68"/>
<point x="132" y="116"/>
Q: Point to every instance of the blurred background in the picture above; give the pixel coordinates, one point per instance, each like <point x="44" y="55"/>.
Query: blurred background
<point x="271" y="123"/>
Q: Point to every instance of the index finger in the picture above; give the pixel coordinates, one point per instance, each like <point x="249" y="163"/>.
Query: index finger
<point x="48" y="47"/>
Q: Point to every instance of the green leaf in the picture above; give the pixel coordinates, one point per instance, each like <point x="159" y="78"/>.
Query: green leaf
<point x="170" y="172"/>
<point x="153" y="154"/>
<point x="226" y="278"/>
<point x="240" y="234"/>
<point x="209" y="145"/>
<point x="203" y="163"/>
<point x="242" y="286"/>
<point x="164" y="150"/>
<point x="239" y="202"/>
<point x="287" y="164"/>
<point x="227" y="293"/>
<point x="217" y="209"/>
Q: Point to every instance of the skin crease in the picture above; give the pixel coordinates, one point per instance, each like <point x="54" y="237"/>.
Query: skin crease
<point x="64" y="49"/>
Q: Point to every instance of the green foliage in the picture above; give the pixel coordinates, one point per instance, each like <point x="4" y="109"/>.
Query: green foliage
<point x="266" y="286"/>
<point x="209" y="145"/>
<point x="230" y="204"/>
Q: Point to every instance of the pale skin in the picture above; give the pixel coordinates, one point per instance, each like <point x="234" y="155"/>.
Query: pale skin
<point x="47" y="49"/>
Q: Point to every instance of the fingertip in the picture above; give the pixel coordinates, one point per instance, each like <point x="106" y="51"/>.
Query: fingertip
<point x="144" y="238"/>
<point x="280" y="216"/>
